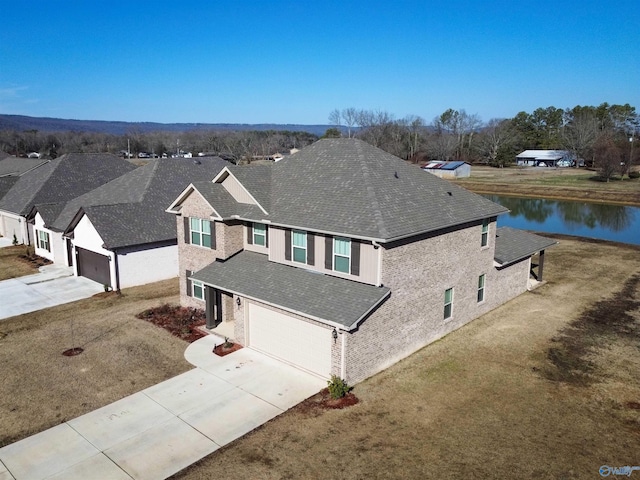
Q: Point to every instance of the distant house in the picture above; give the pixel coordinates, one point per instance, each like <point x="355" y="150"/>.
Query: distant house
<point x="545" y="158"/>
<point x="54" y="182"/>
<point x="119" y="234"/>
<point x="448" y="169"/>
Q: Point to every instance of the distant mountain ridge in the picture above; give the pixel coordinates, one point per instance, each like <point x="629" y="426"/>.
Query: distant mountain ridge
<point x="45" y="124"/>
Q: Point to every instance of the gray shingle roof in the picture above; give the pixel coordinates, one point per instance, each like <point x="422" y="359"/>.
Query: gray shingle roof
<point x="62" y="179"/>
<point x="48" y="211"/>
<point x="15" y="166"/>
<point x="328" y="299"/>
<point x="224" y="204"/>
<point x="349" y="187"/>
<point x="130" y="210"/>
<point x="5" y="185"/>
<point x="513" y="245"/>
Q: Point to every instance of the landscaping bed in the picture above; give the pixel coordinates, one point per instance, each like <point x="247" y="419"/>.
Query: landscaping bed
<point x="179" y="321"/>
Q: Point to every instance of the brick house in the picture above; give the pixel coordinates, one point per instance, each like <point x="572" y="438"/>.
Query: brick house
<point x="343" y="259"/>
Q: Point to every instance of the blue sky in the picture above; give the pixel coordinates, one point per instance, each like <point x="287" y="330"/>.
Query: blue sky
<point x="295" y="61"/>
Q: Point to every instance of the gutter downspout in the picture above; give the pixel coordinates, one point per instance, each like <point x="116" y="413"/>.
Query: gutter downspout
<point x="115" y="259"/>
<point x="343" y="366"/>
<point x="378" y="247"/>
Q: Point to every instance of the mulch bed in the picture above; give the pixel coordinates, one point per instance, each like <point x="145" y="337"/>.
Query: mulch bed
<point x="179" y="321"/>
<point x="34" y="260"/>
<point x="322" y="401"/>
<point x="225" y="349"/>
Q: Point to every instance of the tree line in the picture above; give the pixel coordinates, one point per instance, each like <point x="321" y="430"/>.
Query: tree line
<point x="600" y="135"/>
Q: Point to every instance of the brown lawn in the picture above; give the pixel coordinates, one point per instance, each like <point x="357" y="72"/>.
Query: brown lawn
<point x="12" y="266"/>
<point x="122" y="355"/>
<point x="546" y="386"/>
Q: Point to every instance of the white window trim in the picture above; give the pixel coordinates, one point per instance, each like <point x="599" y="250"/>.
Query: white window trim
<point x="483" y="288"/>
<point x="262" y="234"/>
<point x="294" y="246"/>
<point x="200" y="232"/>
<point x="41" y="241"/>
<point x="194" y="284"/>
<point x="446" y="319"/>
<point x="348" y="256"/>
<point x="484" y="235"/>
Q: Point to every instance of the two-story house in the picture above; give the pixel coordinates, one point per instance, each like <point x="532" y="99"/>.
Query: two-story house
<point x="343" y="259"/>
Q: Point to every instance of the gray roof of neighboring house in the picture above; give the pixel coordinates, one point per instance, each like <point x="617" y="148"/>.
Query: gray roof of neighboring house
<point x="5" y="185"/>
<point x="62" y="179"/>
<point x="48" y="211"/>
<point x="219" y="198"/>
<point x="130" y="210"/>
<point x="513" y="245"/>
<point x="15" y="166"/>
<point x="347" y="186"/>
<point x="336" y="301"/>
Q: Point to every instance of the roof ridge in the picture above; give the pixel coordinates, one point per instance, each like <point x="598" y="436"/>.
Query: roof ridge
<point x="150" y="177"/>
<point x="371" y="192"/>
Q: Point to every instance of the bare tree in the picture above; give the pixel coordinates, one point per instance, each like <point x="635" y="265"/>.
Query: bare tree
<point x="580" y="132"/>
<point x="494" y="138"/>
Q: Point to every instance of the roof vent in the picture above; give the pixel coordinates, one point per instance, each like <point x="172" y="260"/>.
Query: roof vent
<point x="450" y="194"/>
<point x="197" y="162"/>
<point x="395" y="174"/>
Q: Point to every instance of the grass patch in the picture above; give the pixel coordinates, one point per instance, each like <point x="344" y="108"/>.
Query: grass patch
<point x="12" y="266"/>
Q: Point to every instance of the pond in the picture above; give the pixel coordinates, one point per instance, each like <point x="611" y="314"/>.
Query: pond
<point x="593" y="220"/>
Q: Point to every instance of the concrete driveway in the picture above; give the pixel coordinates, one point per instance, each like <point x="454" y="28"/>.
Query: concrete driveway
<point x="54" y="285"/>
<point x="163" y="429"/>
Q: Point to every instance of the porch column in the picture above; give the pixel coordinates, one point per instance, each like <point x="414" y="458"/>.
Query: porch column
<point x="209" y="299"/>
<point x="540" y="265"/>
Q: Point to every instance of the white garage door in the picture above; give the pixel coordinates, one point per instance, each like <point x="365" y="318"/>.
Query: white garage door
<point x="300" y="343"/>
<point x="11" y="226"/>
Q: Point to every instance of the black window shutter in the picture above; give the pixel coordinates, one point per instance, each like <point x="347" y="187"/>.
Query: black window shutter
<point x="266" y="236"/>
<point x="189" y="289"/>
<point x="187" y="230"/>
<point x="311" y="251"/>
<point x="287" y="244"/>
<point x="250" y="233"/>
<point x="355" y="257"/>
<point x="328" y="252"/>
<point x="213" y="235"/>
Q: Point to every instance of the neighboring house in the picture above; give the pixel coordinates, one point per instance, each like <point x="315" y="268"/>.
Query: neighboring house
<point x="16" y="167"/>
<point x="55" y="182"/>
<point x="119" y="234"/>
<point x="343" y="259"/>
<point x="545" y="158"/>
<point x="448" y="169"/>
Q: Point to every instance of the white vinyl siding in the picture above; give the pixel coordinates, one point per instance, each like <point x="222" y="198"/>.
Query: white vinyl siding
<point x="299" y="246"/>
<point x="448" y="303"/>
<point x="200" y="232"/>
<point x="342" y="254"/>
<point x="259" y="234"/>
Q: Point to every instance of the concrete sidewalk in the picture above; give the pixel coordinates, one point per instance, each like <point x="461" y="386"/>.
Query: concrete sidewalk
<point x="54" y="285"/>
<point x="163" y="429"/>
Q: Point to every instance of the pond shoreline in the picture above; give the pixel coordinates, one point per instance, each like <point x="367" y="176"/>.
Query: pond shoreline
<point x="554" y="193"/>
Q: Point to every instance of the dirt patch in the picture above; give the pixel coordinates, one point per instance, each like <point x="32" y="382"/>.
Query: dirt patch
<point x="596" y="328"/>
<point x="179" y="321"/>
<point x="12" y="266"/>
<point x="34" y="260"/>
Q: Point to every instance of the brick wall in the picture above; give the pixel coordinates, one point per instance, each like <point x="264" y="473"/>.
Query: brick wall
<point x="418" y="274"/>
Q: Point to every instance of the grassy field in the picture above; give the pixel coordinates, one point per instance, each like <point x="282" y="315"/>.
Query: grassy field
<point x="122" y="355"/>
<point x="11" y="266"/>
<point x="546" y="386"/>
<point x="561" y="183"/>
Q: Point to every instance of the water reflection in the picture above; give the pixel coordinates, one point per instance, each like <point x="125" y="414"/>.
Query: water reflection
<point x="611" y="222"/>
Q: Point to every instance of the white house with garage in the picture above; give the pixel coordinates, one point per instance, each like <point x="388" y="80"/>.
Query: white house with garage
<point x="343" y="259"/>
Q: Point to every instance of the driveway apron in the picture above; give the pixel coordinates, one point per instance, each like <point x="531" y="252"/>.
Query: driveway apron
<point x="161" y="430"/>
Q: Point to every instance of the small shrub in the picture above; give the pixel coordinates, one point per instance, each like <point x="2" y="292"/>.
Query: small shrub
<point x="338" y="388"/>
<point x="106" y="287"/>
<point x="227" y="343"/>
<point x="15" y="240"/>
<point x="634" y="175"/>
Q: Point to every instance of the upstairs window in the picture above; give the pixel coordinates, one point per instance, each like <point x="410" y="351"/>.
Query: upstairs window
<point x="481" y="280"/>
<point x="299" y="244"/>
<point x="200" y="232"/>
<point x="43" y="241"/>
<point x="260" y="234"/>
<point x="485" y="233"/>
<point x="198" y="289"/>
<point x="342" y="254"/>
<point x="448" y="303"/>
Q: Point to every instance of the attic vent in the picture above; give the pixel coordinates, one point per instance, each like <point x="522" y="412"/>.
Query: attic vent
<point x="450" y="194"/>
<point x="197" y="162"/>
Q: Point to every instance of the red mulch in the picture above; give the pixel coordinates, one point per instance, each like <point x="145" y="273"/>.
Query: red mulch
<point x="633" y="405"/>
<point x="179" y="321"/>
<point x="322" y="401"/>
<point x="225" y="349"/>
